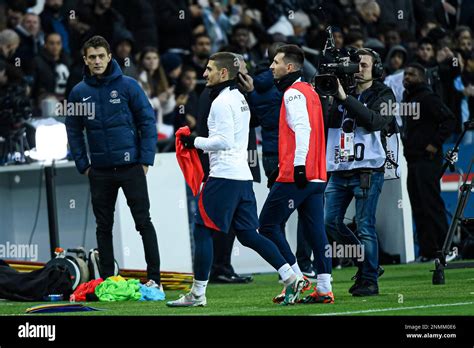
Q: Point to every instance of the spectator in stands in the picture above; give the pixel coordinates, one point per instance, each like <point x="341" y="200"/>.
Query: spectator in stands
<point x="301" y="23"/>
<point x="354" y="39"/>
<point x="15" y="12"/>
<point x="391" y="37"/>
<point x="338" y="37"/>
<point x="172" y="64"/>
<point x="51" y="69"/>
<point x="464" y="85"/>
<point x="97" y="18"/>
<point x="152" y="78"/>
<point x="54" y="19"/>
<point x="122" y="50"/>
<point x="396" y="59"/>
<point x="140" y="20"/>
<point x="399" y="13"/>
<point x="31" y="41"/>
<point x="394" y="63"/>
<point x="217" y="25"/>
<point x="14" y="103"/>
<point x="174" y="22"/>
<point x="240" y="44"/>
<point x="463" y="41"/>
<point x="369" y="13"/>
<point x="426" y="28"/>
<point x="450" y="14"/>
<point x="201" y="49"/>
<point x="186" y="99"/>
<point x="9" y="43"/>
<point x="423" y="148"/>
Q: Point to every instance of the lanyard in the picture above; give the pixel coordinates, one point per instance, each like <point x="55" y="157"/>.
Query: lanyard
<point x="344" y="113"/>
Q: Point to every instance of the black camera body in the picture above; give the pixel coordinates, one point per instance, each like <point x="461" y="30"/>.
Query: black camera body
<point x="336" y="64"/>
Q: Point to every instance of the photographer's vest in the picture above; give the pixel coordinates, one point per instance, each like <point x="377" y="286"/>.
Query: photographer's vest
<point x="368" y="151"/>
<point x="316" y="158"/>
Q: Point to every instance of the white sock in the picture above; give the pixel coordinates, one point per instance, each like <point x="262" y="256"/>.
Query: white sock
<point x="199" y="287"/>
<point x="324" y="283"/>
<point x="296" y="269"/>
<point x="287" y="274"/>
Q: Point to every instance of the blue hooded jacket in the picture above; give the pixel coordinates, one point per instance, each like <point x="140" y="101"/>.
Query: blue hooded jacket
<point x="265" y="103"/>
<point x="122" y="130"/>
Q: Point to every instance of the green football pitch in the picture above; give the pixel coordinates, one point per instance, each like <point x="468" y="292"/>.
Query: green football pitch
<point x="404" y="290"/>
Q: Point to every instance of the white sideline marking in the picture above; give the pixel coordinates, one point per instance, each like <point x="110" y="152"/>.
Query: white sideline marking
<point x="258" y="310"/>
<point x="398" y="308"/>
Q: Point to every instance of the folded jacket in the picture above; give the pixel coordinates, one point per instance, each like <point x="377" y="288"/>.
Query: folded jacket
<point x="188" y="160"/>
<point x="118" y="289"/>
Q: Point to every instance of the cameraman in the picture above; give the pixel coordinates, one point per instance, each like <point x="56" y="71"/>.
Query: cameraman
<point x="355" y="158"/>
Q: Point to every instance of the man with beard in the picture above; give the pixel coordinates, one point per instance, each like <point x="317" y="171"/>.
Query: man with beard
<point x="423" y="148"/>
<point x="301" y="177"/>
<point x="201" y="52"/>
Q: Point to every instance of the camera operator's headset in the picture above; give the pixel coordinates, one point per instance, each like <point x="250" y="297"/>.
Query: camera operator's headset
<point x="377" y="67"/>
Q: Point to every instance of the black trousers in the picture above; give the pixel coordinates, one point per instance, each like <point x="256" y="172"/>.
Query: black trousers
<point x="428" y="208"/>
<point x="303" y="249"/>
<point x="104" y="184"/>
<point x="223" y="246"/>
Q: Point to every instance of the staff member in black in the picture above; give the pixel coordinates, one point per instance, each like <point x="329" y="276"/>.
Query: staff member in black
<point x="423" y="148"/>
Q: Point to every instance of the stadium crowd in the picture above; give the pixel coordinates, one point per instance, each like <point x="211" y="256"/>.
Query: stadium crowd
<point x="165" y="44"/>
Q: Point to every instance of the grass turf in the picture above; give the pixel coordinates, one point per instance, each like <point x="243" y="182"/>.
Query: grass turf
<point x="402" y="287"/>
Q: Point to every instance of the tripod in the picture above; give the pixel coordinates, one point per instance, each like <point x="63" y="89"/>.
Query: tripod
<point x="14" y="147"/>
<point x="458" y="219"/>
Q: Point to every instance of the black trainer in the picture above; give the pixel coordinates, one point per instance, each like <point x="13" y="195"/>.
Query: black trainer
<point x="366" y="288"/>
<point x="357" y="279"/>
<point x="230" y="279"/>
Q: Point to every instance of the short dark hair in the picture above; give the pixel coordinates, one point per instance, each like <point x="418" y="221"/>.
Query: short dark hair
<point x="47" y="36"/>
<point x="420" y="68"/>
<point x="228" y="61"/>
<point x="366" y="52"/>
<point x="187" y="68"/>
<point x="272" y="50"/>
<point x="353" y="36"/>
<point x="198" y="36"/>
<point x="239" y="26"/>
<point x="426" y="41"/>
<point x="95" y="42"/>
<point x="293" y="54"/>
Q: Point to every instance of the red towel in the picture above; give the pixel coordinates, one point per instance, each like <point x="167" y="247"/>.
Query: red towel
<point x="188" y="160"/>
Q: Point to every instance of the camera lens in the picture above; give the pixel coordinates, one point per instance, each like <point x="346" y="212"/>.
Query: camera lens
<point x="326" y="84"/>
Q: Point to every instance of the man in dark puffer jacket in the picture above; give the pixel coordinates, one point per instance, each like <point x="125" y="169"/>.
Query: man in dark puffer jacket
<point x="122" y="136"/>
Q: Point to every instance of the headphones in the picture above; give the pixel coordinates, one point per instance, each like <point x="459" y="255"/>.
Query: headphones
<point x="377" y="67"/>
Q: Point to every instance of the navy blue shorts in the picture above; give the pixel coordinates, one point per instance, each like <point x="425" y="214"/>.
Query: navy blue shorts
<point x="224" y="203"/>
